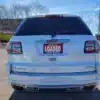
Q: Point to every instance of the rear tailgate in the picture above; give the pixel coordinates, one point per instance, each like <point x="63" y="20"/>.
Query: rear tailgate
<point x="71" y="59"/>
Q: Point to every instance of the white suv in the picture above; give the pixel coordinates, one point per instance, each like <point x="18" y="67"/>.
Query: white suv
<point x="53" y="51"/>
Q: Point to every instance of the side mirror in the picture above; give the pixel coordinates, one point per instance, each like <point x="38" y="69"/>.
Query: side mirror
<point x="98" y="37"/>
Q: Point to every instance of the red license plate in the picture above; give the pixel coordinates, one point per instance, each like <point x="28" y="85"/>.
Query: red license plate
<point x="53" y="48"/>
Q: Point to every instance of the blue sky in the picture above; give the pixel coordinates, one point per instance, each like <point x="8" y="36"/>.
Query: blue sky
<point x="62" y="5"/>
<point x="84" y="8"/>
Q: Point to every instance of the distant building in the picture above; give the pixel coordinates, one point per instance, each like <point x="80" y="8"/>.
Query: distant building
<point x="9" y="25"/>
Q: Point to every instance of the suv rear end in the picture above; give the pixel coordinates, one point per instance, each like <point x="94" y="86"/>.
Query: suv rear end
<point x="52" y="51"/>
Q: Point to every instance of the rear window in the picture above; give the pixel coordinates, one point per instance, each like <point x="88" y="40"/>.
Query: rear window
<point x="53" y="25"/>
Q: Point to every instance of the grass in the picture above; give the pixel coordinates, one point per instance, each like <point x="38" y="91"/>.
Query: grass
<point x="5" y="37"/>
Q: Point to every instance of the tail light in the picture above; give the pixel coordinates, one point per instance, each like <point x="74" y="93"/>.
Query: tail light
<point x="14" y="47"/>
<point x="91" y="47"/>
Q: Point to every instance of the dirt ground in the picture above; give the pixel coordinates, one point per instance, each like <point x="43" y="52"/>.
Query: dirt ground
<point x="5" y="89"/>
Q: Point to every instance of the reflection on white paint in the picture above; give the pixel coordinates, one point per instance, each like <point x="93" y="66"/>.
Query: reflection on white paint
<point x="55" y="80"/>
<point x="51" y="69"/>
<point x="24" y="58"/>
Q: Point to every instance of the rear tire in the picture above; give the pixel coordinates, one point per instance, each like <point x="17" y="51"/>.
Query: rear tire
<point x="17" y="88"/>
<point x="89" y="88"/>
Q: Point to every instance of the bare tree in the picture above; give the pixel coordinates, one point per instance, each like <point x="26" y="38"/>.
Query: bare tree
<point x="3" y="12"/>
<point x="15" y="11"/>
<point x="37" y="8"/>
<point x="21" y="11"/>
<point x="26" y="10"/>
<point x="18" y="10"/>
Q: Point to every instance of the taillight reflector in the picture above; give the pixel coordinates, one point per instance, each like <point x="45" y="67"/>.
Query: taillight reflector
<point x="91" y="47"/>
<point x="14" y="47"/>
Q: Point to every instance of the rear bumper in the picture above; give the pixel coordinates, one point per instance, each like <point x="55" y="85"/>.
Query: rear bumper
<point x="53" y="81"/>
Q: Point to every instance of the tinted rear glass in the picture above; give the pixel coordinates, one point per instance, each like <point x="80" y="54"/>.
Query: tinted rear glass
<point x="53" y="25"/>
